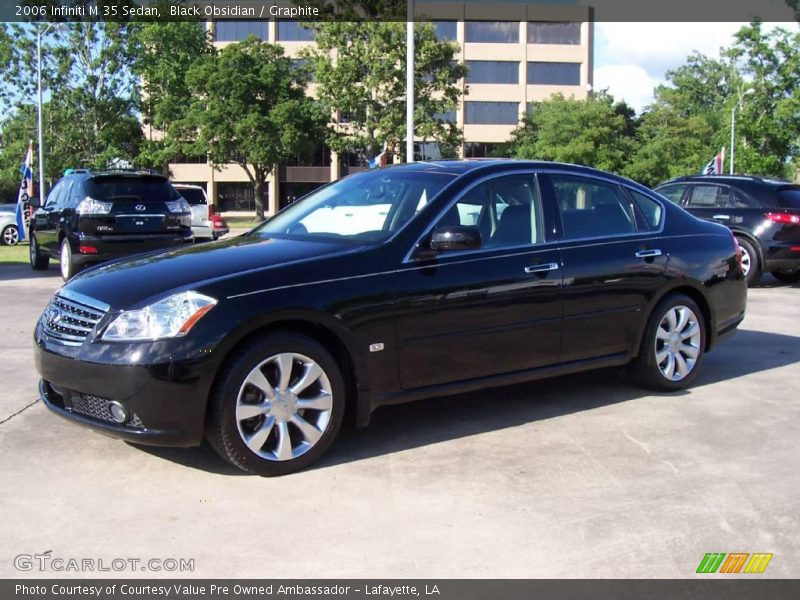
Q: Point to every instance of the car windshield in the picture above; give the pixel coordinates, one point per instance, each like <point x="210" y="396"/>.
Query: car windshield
<point x="193" y="196"/>
<point x="789" y="197"/>
<point x="368" y="207"/>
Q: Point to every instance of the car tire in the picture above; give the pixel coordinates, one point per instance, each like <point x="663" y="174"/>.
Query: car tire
<point x="66" y="261"/>
<point x="39" y="261"/>
<point x="9" y="236"/>
<point x="787" y="275"/>
<point x="673" y="345"/>
<point x="751" y="265"/>
<point x="277" y="405"/>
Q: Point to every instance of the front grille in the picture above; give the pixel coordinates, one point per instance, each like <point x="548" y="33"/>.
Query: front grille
<point x="69" y="320"/>
<point x="97" y="408"/>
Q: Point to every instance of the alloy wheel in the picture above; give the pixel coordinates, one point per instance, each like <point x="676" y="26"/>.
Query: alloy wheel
<point x="746" y="260"/>
<point x="284" y="406"/>
<point x="677" y="344"/>
<point x="65" y="260"/>
<point x="10" y="236"/>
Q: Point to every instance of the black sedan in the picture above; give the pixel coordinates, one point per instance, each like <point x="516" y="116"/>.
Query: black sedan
<point x="388" y="286"/>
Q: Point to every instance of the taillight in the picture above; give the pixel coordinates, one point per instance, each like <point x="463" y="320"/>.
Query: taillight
<point x="783" y="218"/>
<point x="87" y="249"/>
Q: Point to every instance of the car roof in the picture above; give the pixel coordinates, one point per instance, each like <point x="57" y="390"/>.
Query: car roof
<point x="745" y="180"/>
<point x="188" y="186"/>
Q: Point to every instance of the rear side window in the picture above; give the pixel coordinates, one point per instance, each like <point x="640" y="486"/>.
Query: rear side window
<point x="789" y="197"/>
<point x="193" y="196"/>
<point x="649" y="208"/>
<point x="710" y="196"/>
<point x="591" y="208"/>
<point x="673" y="193"/>
<point x="133" y="189"/>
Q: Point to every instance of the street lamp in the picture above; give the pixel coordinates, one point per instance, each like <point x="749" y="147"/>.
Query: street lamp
<point x="733" y="122"/>
<point x="40" y="33"/>
<point x="410" y="81"/>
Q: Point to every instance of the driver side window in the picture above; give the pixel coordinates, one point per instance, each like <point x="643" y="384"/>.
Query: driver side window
<point x="506" y="211"/>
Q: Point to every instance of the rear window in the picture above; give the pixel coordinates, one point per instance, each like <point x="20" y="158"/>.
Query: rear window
<point x="193" y="196"/>
<point x="789" y="197"/>
<point x="134" y="189"/>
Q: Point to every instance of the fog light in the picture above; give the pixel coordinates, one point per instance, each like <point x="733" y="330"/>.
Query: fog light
<point x="118" y="412"/>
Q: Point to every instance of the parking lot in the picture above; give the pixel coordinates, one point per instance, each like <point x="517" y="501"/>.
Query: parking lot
<point x="583" y="476"/>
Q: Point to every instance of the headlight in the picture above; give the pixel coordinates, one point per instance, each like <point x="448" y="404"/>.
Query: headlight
<point x="90" y="206"/>
<point x="171" y="317"/>
<point x="179" y="206"/>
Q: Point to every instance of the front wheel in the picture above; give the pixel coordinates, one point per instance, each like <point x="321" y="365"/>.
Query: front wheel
<point x="39" y="261"/>
<point x="787" y="275"/>
<point x="277" y="406"/>
<point x="10" y="236"/>
<point x="672" y="347"/>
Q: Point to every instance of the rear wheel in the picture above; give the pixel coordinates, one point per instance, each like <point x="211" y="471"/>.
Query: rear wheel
<point x="672" y="347"/>
<point x="278" y="405"/>
<point x="10" y="235"/>
<point x="66" y="262"/>
<point x="787" y="275"/>
<point x="751" y="266"/>
<point x="39" y="261"/>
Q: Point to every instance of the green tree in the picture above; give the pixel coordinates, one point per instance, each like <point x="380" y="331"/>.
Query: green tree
<point x="360" y="74"/>
<point x="595" y="132"/>
<point x="165" y="52"/>
<point x="250" y="107"/>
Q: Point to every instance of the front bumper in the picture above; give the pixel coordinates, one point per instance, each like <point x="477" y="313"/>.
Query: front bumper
<point x="165" y="399"/>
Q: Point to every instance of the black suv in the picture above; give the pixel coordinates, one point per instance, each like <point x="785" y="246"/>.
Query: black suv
<point x="764" y="215"/>
<point x="92" y="217"/>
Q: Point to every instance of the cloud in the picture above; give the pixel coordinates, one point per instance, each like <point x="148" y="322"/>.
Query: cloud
<point x="632" y="58"/>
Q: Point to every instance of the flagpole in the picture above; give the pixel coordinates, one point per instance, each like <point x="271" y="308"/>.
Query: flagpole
<point x="40" y="137"/>
<point x="410" y="83"/>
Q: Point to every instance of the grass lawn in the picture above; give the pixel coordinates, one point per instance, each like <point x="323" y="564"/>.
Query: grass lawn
<point x="241" y="222"/>
<point x="14" y="254"/>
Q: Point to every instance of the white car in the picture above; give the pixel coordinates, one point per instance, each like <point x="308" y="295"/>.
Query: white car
<point x="9" y="234"/>
<point x="204" y="226"/>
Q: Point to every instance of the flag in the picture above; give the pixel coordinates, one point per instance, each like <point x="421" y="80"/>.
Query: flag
<point x="25" y="192"/>
<point x="380" y="160"/>
<point x="715" y="165"/>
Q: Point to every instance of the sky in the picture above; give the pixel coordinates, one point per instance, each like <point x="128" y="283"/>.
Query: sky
<point x="631" y="59"/>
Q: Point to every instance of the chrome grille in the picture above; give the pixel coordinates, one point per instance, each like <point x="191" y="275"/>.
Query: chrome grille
<point x="70" y="317"/>
<point x="97" y="408"/>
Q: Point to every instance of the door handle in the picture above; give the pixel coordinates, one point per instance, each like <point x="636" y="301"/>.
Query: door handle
<point x="722" y="217"/>
<point x="543" y="268"/>
<point x="648" y="253"/>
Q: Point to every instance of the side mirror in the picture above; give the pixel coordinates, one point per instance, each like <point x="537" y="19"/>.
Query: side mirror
<point x="455" y="237"/>
<point x="33" y="202"/>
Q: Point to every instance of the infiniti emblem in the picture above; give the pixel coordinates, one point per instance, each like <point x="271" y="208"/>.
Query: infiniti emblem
<point x="140" y="207"/>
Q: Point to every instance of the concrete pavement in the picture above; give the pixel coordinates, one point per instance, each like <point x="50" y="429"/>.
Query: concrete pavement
<point x="583" y="476"/>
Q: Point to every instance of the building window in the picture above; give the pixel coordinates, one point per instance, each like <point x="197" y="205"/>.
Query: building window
<point x="492" y="32"/>
<point x="554" y="33"/>
<point x="321" y="157"/>
<point x="238" y="196"/>
<point x="294" y="31"/>
<point x="446" y="30"/>
<point x="492" y="71"/>
<point x="304" y="68"/>
<point x="491" y="113"/>
<point x="191" y="159"/>
<point x="448" y="116"/>
<point x="482" y="150"/>
<point x="236" y="31"/>
<point x="554" y="73"/>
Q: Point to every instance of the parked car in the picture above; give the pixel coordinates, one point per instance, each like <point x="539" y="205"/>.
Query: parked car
<point x="763" y="214"/>
<point x="90" y="217"/>
<point x="205" y="225"/>
<point x="9" y="232"/>
<point x="464" y="275"/>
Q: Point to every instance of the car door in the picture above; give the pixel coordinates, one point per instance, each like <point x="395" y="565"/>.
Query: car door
<point x="612" y="263"/>
<point x="46" y="219"/>
<point x="487" y="311"/>
<point x="713" y="202"/>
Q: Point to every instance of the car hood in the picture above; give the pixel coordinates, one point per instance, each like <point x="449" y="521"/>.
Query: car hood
<point x="128" y="282"/>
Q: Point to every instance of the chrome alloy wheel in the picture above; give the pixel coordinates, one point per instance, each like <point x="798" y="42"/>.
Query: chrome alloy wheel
<point x="284" y="406"/>
<point x="746" y="260"/>
<point x="10" y="235"/>
<point x="65" y="260"/>
<point x="678" y="340"/>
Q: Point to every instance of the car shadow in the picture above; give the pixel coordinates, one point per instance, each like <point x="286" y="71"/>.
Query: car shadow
<point x="418" y="424"/>
<point x="17" y="271"/>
